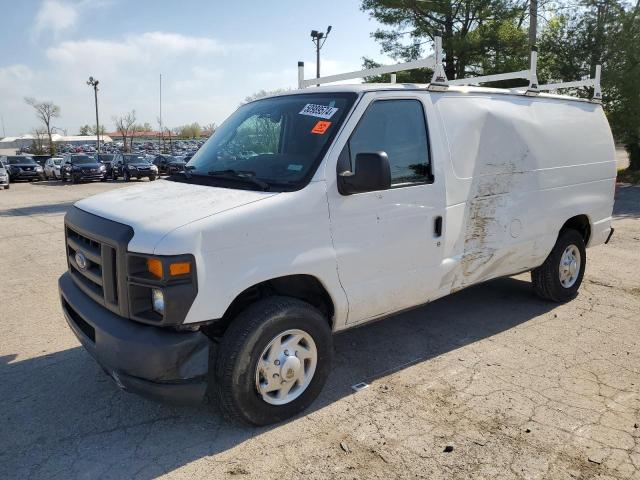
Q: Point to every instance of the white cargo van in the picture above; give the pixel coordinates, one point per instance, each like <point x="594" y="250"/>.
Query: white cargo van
<point x="318" y="210"/>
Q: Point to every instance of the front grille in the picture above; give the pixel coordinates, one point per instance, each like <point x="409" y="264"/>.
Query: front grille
<point x="97" y="275"/>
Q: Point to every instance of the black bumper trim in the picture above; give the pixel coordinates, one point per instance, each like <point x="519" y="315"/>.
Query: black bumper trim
<point x="151" y="361"/>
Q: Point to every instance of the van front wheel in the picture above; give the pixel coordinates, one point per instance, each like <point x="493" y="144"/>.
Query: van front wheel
<point x="559" y="277"/>
<point x="273" y="361"/>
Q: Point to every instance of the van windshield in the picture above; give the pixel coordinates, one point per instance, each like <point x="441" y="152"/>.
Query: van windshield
<point x="275" y="143"/>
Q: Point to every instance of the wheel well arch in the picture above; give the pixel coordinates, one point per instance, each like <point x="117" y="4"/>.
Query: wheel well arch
<point x="581" y="224"/>
<point x="303" y="287"/>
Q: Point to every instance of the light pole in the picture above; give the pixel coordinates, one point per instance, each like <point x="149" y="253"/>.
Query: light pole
<point x="318" y="38"/>
<point x="92" y="82"/>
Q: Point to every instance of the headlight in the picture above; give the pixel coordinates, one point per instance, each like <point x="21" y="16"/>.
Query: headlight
<point x="132" y="167"/>
<point x="157" y="300"/>
<point x="38" y="168"/>
<point x="102" y="168"/>
<point x="153" y="167"/>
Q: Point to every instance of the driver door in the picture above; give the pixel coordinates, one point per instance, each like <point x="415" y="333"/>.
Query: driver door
<point x="388" y="243"/>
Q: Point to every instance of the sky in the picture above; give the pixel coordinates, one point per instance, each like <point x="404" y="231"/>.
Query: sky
<point x="211" y="54"/>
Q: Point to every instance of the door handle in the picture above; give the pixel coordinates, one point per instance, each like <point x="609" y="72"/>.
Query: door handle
<point x="437" y="226"/>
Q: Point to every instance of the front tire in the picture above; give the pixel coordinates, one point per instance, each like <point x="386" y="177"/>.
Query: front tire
<point x="273" y="361"/>
<point x="559" y="277"/>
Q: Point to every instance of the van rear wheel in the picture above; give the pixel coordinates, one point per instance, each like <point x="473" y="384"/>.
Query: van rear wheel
<point x="273" y="361"/>
<point x="559" y="277"/>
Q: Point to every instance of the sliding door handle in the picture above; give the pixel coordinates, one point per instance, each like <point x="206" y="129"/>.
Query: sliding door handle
<point x="437" y="226"/>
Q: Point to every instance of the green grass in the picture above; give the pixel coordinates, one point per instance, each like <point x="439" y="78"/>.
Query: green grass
<point x="629" y="176"/>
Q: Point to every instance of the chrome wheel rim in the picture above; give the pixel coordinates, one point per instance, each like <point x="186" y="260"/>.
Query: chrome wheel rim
<point x="286" y="367"/>
<point x="569" y="266"/>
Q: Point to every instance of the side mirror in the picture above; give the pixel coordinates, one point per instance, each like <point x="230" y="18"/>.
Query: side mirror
<point x="372" y="172"/>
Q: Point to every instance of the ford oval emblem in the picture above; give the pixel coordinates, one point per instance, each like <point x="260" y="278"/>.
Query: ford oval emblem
<point x="81" y="260"/>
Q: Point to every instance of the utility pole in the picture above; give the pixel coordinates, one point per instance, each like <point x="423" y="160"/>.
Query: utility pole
<point x="4" y="134"/>
<point x="94" y="83"/>
<point x="533" y="24"/>
<point x="318" y="38"/>
<point x="161" y="130"/>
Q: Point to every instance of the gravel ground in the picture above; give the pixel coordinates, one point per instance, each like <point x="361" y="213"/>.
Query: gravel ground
<point x="489" y="382"/>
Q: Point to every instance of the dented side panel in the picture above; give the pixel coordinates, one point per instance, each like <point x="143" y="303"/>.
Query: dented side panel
<point x="518" y="169"/>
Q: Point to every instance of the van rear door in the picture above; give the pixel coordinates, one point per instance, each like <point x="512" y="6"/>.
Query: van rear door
<point x="388" y="243"/>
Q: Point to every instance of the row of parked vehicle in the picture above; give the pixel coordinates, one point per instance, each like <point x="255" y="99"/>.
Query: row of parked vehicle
<point x="83" y="167"/>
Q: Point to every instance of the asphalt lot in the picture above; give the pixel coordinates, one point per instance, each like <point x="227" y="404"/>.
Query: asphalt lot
<point x="518" y="387"/>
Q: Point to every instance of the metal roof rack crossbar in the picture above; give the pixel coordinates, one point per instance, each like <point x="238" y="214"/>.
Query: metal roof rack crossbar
<point x="440" y="82"/>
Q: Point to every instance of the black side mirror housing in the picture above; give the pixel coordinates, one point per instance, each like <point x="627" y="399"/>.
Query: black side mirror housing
<point x="372" y="172"/>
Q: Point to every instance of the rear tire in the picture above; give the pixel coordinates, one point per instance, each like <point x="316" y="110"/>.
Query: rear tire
<point x="559" y="277"/>
<point x="238" y="372"/>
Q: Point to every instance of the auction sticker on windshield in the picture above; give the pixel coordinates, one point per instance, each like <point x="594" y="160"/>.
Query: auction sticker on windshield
<point x="319" y="111"/>
<point x="321" y="127"/>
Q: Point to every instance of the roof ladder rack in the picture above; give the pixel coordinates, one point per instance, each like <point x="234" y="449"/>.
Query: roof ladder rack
<point x="440" y="82"/>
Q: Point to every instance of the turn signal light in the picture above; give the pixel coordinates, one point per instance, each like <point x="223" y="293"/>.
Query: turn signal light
<point x="155" y="267"/>
<point x="180" y="268"/>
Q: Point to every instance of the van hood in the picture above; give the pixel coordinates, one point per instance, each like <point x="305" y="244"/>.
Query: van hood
<point x="155" y="209"/>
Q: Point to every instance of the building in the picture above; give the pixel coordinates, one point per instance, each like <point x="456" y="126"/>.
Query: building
<point x="16" y="143"/>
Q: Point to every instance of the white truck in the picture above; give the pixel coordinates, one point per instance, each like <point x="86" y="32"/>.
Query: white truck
<point x="318" y="210"/>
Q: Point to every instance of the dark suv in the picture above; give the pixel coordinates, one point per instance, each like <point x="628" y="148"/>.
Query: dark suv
<point x="131" y="166"/>
<point x="168" y="164"/>
<point x="24" y="168"/>
<point x="78" y="168"/>
<point x="107" y="159"/>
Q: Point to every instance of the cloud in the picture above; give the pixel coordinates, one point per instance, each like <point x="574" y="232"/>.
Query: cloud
<point x="55" y="16"/>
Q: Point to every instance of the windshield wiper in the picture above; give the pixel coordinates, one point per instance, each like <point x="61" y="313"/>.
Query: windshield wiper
<point x="242" y="175"/>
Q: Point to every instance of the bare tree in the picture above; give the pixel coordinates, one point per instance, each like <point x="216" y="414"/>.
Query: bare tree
<point x="125" y="124"/>
<point x="209" y="129"/>
<point x="46" y="112"/>
<point x="39" y="139"/>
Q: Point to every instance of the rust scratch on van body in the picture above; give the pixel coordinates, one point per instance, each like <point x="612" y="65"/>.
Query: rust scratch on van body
<point x="488" y="218"/>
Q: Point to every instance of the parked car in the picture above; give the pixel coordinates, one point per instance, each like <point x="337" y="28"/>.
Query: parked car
<point x="79" y="168"/>
<point x="168" y="164"/>
<point x="131" y="166"/>
<point x="52" y="168"/>
<point x="4" y="174"/>
<point x="24" y="168"/>
<point x="107" y="160"/>
<point x="40" y="159"/>
<point x="372" y="199"/>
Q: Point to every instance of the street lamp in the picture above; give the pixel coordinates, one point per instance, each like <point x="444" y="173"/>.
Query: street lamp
<point x="92" y="82"/>
<point x="318" y="38"/>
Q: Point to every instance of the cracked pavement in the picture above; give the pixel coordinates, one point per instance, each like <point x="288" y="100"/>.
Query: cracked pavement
<point x="518" y="387"/>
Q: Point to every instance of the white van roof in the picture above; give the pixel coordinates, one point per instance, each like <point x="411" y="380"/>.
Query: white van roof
<point x="463" y="89"/>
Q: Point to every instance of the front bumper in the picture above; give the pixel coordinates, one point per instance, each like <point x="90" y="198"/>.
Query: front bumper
<point x="27" y="175"/>
<point x="90" y="176"/>
<point x="153" y="362"/>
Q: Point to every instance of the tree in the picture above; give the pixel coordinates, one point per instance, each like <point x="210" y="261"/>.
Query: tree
<point x="125" y="124"/>
<point x="191" y="130"/>
<point x="477" y="35"/>
<point x="39" y="139"/>
<point x="46" y="112"/>
<point x="264" y="93"/>
<point x="209" y="128"/>
<point x="87" y="130"/>
<point x="604" y="32"/>
<point x="622" y="85"/>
